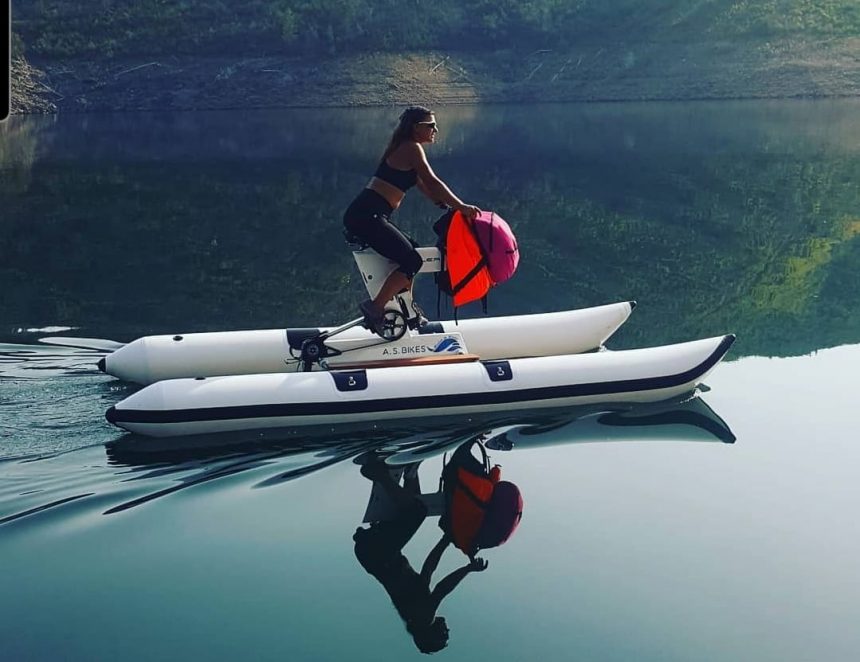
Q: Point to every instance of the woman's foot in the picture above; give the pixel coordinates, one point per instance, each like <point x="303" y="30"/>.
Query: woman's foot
<point x="420" y="318"/>
<point x="373" y="316"/>
<point x="375" y="470"/>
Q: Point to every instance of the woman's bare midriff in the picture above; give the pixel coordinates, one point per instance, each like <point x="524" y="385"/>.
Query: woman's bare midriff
<point x="391" y="193"/>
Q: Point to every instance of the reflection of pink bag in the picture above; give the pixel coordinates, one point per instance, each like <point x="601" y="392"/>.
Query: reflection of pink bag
<point x="502" y="516"/>
<point x="498" y="245"/>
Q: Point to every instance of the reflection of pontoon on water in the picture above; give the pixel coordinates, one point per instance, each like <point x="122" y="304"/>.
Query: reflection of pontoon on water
<point x="253" y="380"/>
<point x="692" y="420"/>
<point x="199" y="459"/>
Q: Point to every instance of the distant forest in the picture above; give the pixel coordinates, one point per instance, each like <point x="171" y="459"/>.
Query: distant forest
<point x="114" y="28"/>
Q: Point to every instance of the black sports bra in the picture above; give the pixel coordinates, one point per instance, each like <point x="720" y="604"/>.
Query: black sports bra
<point x="402" y="179"/>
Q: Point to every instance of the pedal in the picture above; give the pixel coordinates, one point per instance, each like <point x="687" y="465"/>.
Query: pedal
<point x="393" y="325"/>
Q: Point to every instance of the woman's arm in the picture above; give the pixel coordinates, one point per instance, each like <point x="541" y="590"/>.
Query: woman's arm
<point x="432" y="560"/>
<point x="426" y="191"/>
<point x="450" y="582"/>
<point x="436" y="189"/>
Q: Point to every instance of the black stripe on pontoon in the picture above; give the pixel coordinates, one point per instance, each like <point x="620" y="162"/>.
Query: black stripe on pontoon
<point x="422" y="402"/>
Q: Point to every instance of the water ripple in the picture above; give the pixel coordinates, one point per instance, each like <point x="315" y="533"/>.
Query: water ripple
<point x="52" y="400"/>
<point x="130" y="472"/>
<point x="43" y="507"/>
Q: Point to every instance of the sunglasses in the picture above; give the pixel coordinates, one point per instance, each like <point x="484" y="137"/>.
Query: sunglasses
<point x="432" y="125"/>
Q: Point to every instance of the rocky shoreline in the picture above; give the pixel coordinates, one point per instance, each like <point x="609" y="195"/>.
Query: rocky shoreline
<point x="28" y="92"/>
<point x="595" y="72"/>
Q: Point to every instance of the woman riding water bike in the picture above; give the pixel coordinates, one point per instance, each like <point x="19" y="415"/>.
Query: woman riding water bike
<point x="403" y="165"/>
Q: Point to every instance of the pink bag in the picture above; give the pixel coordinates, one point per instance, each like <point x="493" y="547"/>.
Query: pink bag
<point x="498" y="244"/>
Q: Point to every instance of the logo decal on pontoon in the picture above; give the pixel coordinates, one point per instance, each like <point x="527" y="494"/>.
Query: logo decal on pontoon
<point x="448" y="344"/>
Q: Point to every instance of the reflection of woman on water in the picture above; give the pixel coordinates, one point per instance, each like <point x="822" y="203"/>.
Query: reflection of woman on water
<point x="379" y="550"/>
<point x="403" y="165"/>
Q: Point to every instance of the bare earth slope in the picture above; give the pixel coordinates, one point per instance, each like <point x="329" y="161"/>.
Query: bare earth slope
<point x="613" y="72"/>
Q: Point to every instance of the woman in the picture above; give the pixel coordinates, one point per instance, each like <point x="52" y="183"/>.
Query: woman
<point x="379" y="550"/>
<point x="403" y="165"/>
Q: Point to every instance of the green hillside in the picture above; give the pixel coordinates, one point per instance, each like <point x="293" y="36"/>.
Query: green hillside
<point x="112" y="28"/>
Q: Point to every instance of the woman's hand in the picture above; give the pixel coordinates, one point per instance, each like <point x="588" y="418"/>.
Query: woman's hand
<point x="469" y="211"/>
<point x="477" y="564"/>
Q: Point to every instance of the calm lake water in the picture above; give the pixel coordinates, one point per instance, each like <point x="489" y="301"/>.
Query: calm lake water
<point x="714" y="529"/>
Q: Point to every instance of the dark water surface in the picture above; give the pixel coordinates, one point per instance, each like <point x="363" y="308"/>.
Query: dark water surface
<point x="647" y="533"/>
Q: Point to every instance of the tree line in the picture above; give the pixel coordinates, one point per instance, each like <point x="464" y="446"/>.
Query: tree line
<point x="62" y="28"/>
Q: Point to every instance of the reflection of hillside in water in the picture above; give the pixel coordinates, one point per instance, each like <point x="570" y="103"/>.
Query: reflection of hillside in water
<point x="716" y="217"/>
<point x="733" y="216"/>
<point x="20" y="144"/>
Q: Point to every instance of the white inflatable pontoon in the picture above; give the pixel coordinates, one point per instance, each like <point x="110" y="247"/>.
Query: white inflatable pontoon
<point x="154" y="358"/>
<point x="248" y="402"/>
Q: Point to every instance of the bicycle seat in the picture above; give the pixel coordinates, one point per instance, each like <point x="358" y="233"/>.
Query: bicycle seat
<point x="355" y="242"/>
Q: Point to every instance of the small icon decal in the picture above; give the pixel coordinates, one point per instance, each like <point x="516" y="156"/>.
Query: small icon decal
<point x="448" y="344"/>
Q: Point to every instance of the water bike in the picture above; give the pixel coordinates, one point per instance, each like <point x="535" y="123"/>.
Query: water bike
<point x="251" y="380"/>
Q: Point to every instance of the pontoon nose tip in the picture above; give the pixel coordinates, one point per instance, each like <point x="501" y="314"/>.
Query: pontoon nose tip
<point x="632" y="305"/>
<point x="101" y="365"/>
<point x="110" y="414"/>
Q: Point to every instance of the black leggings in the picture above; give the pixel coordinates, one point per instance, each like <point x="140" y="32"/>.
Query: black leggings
<point x="368" y="219"/>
